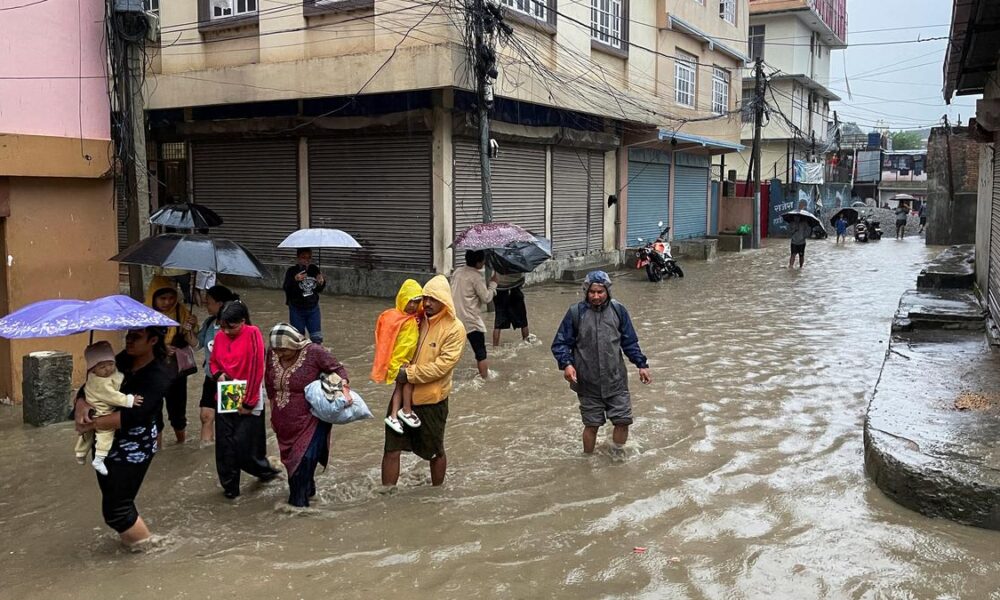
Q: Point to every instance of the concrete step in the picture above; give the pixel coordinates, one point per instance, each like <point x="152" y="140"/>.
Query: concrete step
<point x="579" y="273"/>
<point x="939" y="309"/>
<point x="954" y="268"/>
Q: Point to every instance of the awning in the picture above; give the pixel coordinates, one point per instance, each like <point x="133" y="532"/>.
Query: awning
<point x="686" y="141"/>
<point x="972" y="54"/>
<point x="713" y="44"/>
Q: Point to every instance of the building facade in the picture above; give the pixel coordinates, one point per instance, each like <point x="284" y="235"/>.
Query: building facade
<point x="57" y="210"/>
<point x="359" y="115"/>
<point x="795" y="39"/>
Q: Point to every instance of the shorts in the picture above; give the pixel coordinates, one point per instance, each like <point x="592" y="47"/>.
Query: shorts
<point x="477" y="339"/>
<point x="799" y="249"/>
<point x="596" y="411"/>
<point x="426" y="441"/>
<point x="923" y="220"/>
<point x="208" y="390"/>
<point x="511" y="311"/>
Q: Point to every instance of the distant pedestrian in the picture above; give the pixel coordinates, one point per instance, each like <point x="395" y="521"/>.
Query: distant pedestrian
<point x="442" y="340"/>
<point x="841" y="229"/>
<point x="240" y="437"/>
<point x="923" y="216"/>
<point x="588" y="348"/>
<point x="303" y="284"/>
<point x="800" y="230"/>
<point x="902" y="211"/>
<point x="471" y="295"/>
<point x="512" y="313"/>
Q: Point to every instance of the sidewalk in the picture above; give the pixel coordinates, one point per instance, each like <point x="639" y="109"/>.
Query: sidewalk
<point x="932" y="432"/>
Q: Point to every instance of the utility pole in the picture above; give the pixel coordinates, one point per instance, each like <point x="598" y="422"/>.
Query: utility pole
<point x="485" y="20"/>
<point x="137" y="176"/>
<point x="757" y="124"/>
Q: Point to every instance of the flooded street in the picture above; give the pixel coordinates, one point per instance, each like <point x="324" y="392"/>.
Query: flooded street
<point x="744" y="478"/>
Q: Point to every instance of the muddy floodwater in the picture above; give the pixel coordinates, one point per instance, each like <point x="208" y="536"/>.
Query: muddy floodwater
<point x="744" y="477"/>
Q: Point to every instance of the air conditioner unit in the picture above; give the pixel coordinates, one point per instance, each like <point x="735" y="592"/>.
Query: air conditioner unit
<point x="152" y="27"/>
<point x="129" y="6"/>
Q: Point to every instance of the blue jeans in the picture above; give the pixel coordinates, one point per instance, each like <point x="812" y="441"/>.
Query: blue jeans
<point x="309" y="319"/>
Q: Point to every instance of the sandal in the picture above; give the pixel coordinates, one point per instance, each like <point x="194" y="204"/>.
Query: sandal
<point x="411" y="420"/>
<point x="394" y="425"/>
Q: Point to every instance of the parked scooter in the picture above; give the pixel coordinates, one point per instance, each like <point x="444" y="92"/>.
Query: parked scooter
<point x="867" y="229"/>
<point x="656" y="258"/>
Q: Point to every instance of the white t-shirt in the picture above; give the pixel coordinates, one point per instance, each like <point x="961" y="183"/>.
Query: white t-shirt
<point x="205" y="280"/>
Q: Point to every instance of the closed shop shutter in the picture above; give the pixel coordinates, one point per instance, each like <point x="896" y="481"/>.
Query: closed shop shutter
<point x="253" y="185"/>
<point x="648" y="200"/>
<point x="518" y="187"/>
<point x="570" y="200"/>
<point x="378" y="189"/>
<point x="595" y="239"/>
<point x="994" y="270"/>
<point x="690" y="202"/>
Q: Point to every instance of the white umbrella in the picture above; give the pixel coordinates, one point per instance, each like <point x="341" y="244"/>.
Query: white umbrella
<point x="319" y="238"/>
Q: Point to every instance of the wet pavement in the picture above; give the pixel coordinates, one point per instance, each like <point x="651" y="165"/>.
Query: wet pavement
<point x="745" y="477"/>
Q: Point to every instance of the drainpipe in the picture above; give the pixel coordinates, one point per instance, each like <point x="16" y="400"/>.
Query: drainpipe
<point x="618" y="195"/>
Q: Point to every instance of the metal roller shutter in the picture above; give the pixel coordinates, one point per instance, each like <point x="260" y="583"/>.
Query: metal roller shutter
<point x="994" y="269"/>
<point x="518" y="187"/>
<point x="570" y="200"/>
<point x="253" y="185"/>
<point x="648" y="200"/>
<point x="595" y="238"/>
<point x="378" y="189"/>
<point x="690" y="202"/>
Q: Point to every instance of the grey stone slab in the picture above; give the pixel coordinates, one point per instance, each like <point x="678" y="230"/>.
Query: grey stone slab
<point x="939" y="308"/>
<point x="47" y="387"/>
<point x="953" y="268"/>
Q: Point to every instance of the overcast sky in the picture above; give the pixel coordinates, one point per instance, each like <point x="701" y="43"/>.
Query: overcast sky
<point x="899" y="83"/>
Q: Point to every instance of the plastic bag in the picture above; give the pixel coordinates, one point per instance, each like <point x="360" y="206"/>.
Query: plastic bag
<point x="336" y="411"/>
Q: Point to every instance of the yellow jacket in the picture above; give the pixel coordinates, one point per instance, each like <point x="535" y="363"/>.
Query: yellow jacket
<point x="442" y="340"/>
<point x="396" y="335"/>
<point x="180" y="313"/>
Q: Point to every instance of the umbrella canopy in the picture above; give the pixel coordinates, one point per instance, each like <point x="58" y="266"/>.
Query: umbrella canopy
<point x="186" y="216"/>
<point x="193" y="253"/>
<point x="802" y="215"/>
<point x="520" y="257"/>
<point x="491" y="235"/>
<point x="55" y="318"/>
<point x="903" y="198"/>
<point x="849" y="214"/>
<point x="319" y="238"/>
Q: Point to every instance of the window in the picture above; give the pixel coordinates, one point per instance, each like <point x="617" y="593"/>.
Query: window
<point x="720" y="91"/>
<point x="727" y="10"/>
<point x="607" y="21"/>
<point x="536" y="9"/>
<point x="221" y="9"/>
<point x="685" y="78"/>
<point x="757" y="41"/>
<point x="152" y="6"/>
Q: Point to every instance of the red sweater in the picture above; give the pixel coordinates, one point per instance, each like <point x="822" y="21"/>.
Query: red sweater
<point x="241" y="357"/>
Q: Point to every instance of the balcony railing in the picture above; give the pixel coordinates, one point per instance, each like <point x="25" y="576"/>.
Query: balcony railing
<point x="834" y="14"/>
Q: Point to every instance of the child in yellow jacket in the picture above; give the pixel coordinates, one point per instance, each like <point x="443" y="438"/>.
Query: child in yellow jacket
<point x="397" y="332"/>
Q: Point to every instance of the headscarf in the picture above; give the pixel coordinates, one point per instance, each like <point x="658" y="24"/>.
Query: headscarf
<point x="598" y="278"/>
<point x="285" y="337"/>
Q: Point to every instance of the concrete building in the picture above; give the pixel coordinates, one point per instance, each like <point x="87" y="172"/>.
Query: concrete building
<point x="359" y="115"/>
<point x="57" y="210"/>
<point x="795" y="38"/>
<point x="952" y="186"/>
<point x="904" y="172"/>
<point x="972" y="66"/>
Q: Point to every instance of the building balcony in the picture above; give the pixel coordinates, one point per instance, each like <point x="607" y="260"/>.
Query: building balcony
<point x="827" y="17"/>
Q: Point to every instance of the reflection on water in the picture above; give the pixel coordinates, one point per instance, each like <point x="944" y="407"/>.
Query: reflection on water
<point x="744" y="477"/>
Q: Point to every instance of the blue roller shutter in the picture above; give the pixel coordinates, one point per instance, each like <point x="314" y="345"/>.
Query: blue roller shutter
<point x="690" y="202"/>
<point x="648" y="199"/>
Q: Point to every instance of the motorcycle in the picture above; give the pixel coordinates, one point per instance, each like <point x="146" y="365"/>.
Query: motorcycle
<point x="656" y="259"/>
<point x="867" y="229"/>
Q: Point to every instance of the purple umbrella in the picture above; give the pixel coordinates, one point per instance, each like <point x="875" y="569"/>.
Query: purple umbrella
<point x="56" y="318"/>
<point x="491" y="235"/>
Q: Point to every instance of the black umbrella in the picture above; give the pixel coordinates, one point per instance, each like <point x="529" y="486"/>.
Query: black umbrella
<point x="519" y="257"/>
<point x="186" y="216"/>
<point x="802" y="215"/>
<point x="849" y="214"/>
<point x="193" y="253"/>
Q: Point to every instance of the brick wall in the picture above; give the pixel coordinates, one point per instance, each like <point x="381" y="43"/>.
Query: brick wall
<point x="951" y="213"/>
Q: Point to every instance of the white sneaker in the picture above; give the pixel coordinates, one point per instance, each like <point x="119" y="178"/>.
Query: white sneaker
<point x="81" y="459"/>
<point x="394" y="425"/>
<point x="410" y="420"/>
<point x="98" y="465"/>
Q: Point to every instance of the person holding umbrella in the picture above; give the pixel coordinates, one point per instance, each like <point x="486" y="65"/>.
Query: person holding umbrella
<point x="303" y="284"/>
<point x="162" y="296"/>
<point x="800" y="230"/>
<point x="471" y="295"/>
<point x="512" y="313"/>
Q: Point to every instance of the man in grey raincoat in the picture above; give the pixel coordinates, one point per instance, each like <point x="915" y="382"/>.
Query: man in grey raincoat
<point x="588" y="347"/>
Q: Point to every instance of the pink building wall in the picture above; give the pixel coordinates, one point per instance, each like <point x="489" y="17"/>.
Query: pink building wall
<point x="41" y="92"/>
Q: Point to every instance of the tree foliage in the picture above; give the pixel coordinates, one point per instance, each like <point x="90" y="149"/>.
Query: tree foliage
<point x="906" y="140"/>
